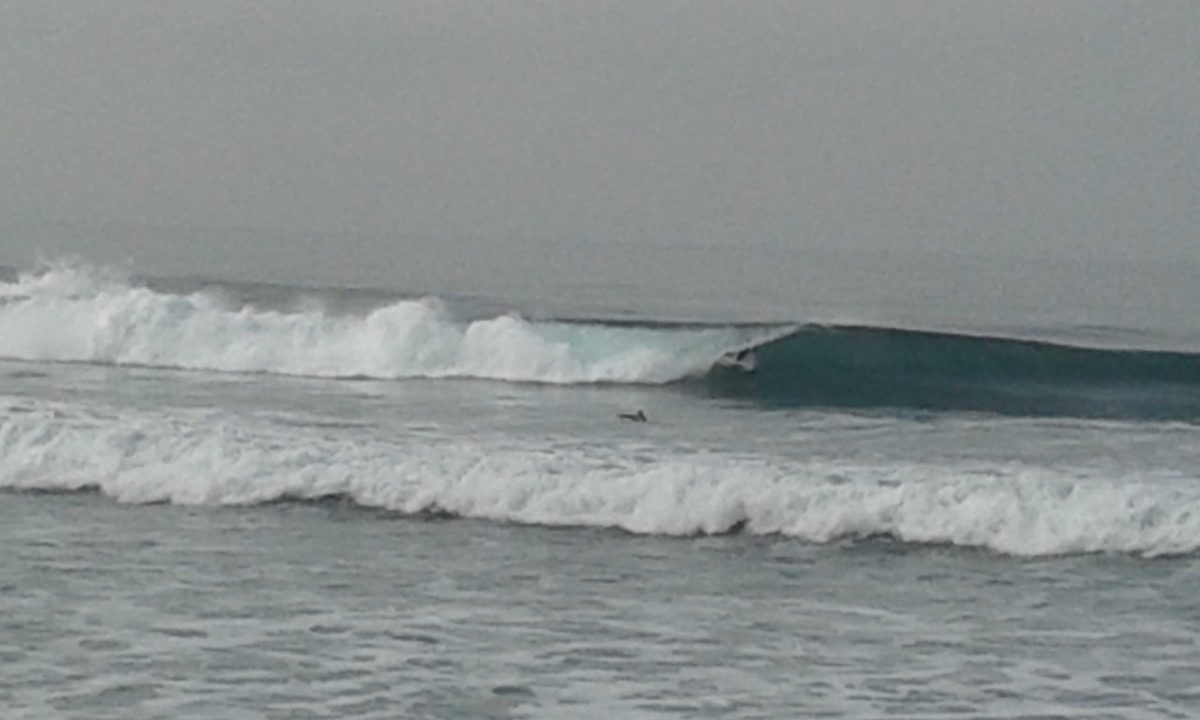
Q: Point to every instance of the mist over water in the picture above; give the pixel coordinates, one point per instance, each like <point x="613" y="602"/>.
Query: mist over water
<point x="325" y="419"/>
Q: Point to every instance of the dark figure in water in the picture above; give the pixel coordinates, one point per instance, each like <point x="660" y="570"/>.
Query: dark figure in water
<point x="638" y="416"/>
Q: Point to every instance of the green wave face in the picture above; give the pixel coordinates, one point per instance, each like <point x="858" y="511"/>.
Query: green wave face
<point x="862" y="367"/>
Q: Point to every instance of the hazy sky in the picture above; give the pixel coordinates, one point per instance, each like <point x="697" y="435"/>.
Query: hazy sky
<point x="1003" y="129"/>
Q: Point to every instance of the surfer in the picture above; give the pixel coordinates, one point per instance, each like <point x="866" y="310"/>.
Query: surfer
<point x="742" y="360"/>
<point x="638" y="416"/>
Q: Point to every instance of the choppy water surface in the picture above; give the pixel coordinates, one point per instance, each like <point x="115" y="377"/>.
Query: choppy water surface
<point x="216" y="508"/>
<point x="328" y="610"/>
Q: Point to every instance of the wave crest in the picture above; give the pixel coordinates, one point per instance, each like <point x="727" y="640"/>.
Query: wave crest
<point x="70" y="313"/>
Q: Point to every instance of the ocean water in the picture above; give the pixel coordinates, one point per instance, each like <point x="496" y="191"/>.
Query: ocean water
<point x="244" y="500"/>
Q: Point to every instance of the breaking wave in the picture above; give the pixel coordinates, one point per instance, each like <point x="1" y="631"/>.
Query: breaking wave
<point x="205" y="457"/>
<point x="69" y="313"/>
<point x="883" y="367"/>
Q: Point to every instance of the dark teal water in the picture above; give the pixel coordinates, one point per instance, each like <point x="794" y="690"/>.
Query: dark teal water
<point x="203" y="517"/>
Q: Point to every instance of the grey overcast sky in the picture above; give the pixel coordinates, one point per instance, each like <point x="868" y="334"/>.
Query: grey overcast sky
<point x="981" y="128"/>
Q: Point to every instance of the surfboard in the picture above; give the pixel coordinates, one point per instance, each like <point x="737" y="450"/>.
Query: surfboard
<point x="744" y="360"/>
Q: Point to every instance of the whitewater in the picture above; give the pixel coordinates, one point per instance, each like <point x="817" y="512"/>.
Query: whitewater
<point x="241" y="500"/>
<point x="71" y="313"/>
<point x="202" y="457"/>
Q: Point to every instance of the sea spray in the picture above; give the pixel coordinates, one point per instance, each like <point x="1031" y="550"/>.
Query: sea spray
<point x="64" y="313"/>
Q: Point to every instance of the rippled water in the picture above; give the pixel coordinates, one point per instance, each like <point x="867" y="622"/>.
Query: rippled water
<point x="203" y="544"/>
<point x="327" y="610"/>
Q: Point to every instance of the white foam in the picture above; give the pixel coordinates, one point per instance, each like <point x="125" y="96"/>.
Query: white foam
<point x="72" y="313"/>
<point x="204" y="457"/>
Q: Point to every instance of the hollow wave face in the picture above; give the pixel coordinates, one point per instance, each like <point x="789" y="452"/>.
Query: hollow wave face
<point x="71" y="313"/>
<point x="206" y="457"/>
<point x="847" y="366"/>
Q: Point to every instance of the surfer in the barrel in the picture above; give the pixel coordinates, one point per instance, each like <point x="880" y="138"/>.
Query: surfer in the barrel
<point x="743" y="359"/>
